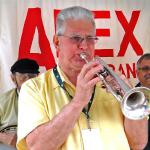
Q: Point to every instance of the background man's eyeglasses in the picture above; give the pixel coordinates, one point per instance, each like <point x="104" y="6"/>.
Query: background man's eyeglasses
<point x="76" y="39"/>
<point x="145" y="69"/>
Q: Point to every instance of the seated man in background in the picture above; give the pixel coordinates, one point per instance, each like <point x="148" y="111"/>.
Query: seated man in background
<point x="143" y="74"/>
<point x="22" y="70"/>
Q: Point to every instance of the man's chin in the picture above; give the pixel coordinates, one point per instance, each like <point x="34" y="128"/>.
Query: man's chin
<point x="78" y="67"/>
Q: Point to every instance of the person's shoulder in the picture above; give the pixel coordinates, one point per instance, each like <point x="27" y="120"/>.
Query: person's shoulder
<point x="7" y="95"/>
<point x="10" y="92"/>
<point x="44" y="76"/>
<point x="39" y="80"/>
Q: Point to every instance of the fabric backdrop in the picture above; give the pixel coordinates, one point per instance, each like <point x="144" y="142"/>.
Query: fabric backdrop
<point x="27" y="28"/>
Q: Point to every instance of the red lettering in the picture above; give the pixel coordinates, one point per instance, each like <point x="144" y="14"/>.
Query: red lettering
<point x="127" y="69"/>
<point x="33" y="21"/>
<point x="131" y="70"/>
<point x="112" y="66"/>
<point x="104" y="33"/>
<point x="121" y="69"/>
<point x="129" y="36"/>
<point x="55" y="15"/>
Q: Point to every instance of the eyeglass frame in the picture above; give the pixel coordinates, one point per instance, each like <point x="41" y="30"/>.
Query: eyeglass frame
<point x="144" y="69"/>
<point x="77" y="39"/>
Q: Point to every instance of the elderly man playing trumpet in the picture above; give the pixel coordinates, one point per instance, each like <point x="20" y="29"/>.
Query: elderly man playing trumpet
<point x="66" y="108"/>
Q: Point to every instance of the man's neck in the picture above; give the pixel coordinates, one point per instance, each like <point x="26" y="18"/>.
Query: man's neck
<point x="71" y="74"/>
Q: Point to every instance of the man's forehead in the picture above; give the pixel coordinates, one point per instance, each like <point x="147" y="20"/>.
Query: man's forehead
<point x="82" y="24"/>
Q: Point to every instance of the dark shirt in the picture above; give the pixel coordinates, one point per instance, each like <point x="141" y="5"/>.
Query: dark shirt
<point x="138" y="85"/>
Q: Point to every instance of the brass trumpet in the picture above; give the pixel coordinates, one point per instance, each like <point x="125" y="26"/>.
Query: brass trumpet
<point x="134" y="101"/>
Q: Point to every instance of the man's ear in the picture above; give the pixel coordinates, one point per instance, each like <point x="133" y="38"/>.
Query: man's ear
<point x="56" y="41"/>
<point x="56" y="44"/>
<point x="13" y="78"/>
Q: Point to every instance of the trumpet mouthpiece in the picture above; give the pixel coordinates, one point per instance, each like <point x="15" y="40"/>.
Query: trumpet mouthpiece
<point x="83" y="55"/>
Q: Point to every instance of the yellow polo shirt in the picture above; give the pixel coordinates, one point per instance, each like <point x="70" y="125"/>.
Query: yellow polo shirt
<point x="42" y="98"/>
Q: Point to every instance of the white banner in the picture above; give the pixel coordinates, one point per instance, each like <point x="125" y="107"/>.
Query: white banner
<point x="27" y="28"/>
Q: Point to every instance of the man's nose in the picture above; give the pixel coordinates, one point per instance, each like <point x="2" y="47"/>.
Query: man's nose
<point x="83" y="44"/>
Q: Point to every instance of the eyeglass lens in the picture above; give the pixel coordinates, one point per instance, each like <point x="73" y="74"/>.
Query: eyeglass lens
<point x="79" y="39"/>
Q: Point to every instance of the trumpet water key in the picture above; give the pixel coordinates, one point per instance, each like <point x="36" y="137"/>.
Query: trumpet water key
<point x="134" y="101"/>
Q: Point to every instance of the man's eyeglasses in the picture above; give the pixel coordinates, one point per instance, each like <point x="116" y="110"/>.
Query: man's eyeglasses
<point x="76" y="39"/>
<point x="145" y="68"/>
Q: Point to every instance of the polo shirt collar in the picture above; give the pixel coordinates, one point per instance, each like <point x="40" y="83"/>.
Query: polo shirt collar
<point x="64" y="78"/>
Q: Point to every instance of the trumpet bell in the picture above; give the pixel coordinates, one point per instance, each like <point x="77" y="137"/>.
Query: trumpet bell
<point x="135" y="104"/>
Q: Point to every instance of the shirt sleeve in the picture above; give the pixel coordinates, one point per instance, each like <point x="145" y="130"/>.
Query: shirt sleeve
<point x="31" y="111"/>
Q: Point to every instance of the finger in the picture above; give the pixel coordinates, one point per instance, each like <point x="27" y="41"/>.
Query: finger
<point x="92" y="73"/>
<point x="88" y="67"/>
<point x="93" y="82"/>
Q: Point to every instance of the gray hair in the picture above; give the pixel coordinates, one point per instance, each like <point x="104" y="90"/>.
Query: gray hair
<point x="145" y="56"/>
<point x="76" y="13"/>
